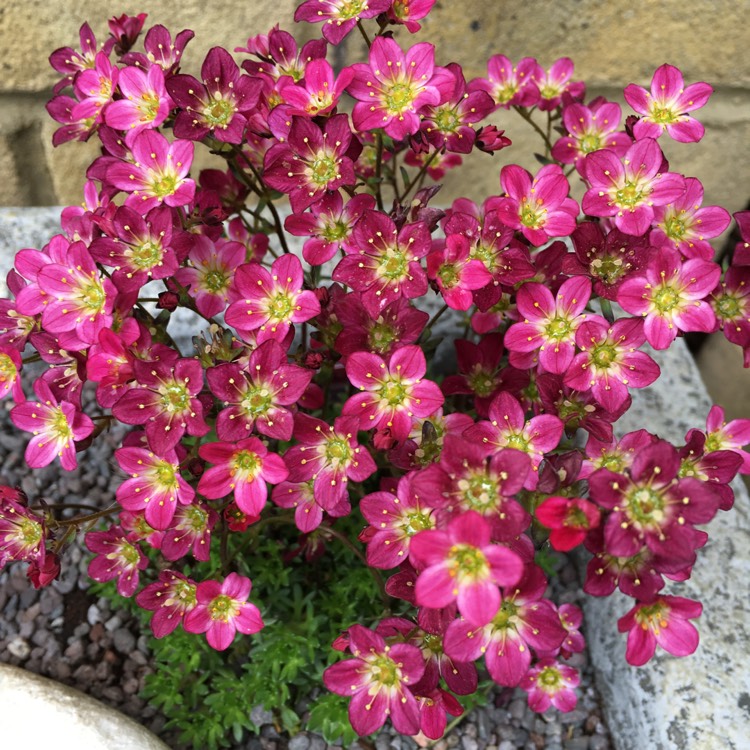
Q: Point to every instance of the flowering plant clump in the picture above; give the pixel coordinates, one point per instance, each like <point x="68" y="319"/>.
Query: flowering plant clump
<point x="309" y="413"/>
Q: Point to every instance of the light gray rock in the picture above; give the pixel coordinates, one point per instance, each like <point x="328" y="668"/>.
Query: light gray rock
<point x="58" y="712"/>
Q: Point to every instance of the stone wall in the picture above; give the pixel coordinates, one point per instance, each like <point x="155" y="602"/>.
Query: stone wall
<point x="613" y="44"/>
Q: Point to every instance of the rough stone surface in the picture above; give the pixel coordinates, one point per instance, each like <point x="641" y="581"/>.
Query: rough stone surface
<point x="56" y="711"/>
<point x="700" y="701"/>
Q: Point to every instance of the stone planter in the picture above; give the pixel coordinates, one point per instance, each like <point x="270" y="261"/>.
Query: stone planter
<point x="702" y="701"/>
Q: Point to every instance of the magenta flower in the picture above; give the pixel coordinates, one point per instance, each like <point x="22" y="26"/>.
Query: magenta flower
<point x="685" y="225"/>
<point x="663" y="622"/>
<point x="170" y="599"/>
<point x="609" y="363"/>
<point x="115" y="557"/>
<point x="629" y="189"/>
<point x="56" y="426"/>
<point x="154" y="486"/>
<point x="666" y="106"/>
<point x="328" y="226"/>
<point x="308" y="514"/>
<point x="160" y="49"/>
<point x="158" y="174"/>
<point x="555" y="83"/>
<point x="190" y="531"/>
<point x="670" y="295"/>
<point x="378" y="679"/>
<point x="69" y="62"/>
<point x="318" y="92"/>
<point x="339" y="17"/>
<point x="145" y="103"/>
<point x="259" y="396"/>
<point x="386" y="265"/>
<point x="139" y="248"/>
<point x="211" y="273"/>
<point x="511" y="85"/>
<point x="164" y="399"/>
<point x="395" y="517"/>
<point x="271" y="301"/>
<point x="396" y="325"/>
<point x="330" y="456"/>
<point x="451" y="123"/>
<point x="607" y="259"/>
<point x="74" y="296"/>
<point x="541" y="208"/>
<point x="221" y="610"/>
<point x="393" y="394"/>
<point x="652" y="507"/>
<point x="242" y="468"/>
<point x="22" y="533"/>
<point x="551" y="683"/>
<point x="508" y="428"/>
<point x="549" y="324"/>
<point x="456" y="274"/>
<point x="394" y="86"/>
<point x="590" y="128"/>
<point x="221" y="104"/>
<point x="407" y="13"/>
<point x="311" y="161"/>
<point x="731" y="305"/>
<point x="460" y="564"/>
<point x="10" y="371"/>
<point x="94" y="87"/>
<point x="728" y="436"/>
<point x="524" y="621"/>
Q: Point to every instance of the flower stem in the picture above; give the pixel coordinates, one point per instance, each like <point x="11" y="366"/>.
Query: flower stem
<point x="364" y="34"/>
<point x="426" y="333"/>
<point x="527" y="116"/>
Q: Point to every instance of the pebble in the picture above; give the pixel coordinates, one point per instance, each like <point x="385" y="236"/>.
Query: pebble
<point x="19" y="648"/>
<point x="124" y="641"/>
<point x="93" y="615"/>
<point x="599" y="742"/>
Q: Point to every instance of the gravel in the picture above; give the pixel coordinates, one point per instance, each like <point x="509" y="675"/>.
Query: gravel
<point x="65" y="633"/>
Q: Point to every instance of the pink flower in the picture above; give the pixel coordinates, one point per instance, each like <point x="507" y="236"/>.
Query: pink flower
<point x="318" y="92"/>
<point x="555" y="83"/>
<point x="731" y="436"/>
<point x="164" y="399"/>
<point x="408" y="12"/>
<point x="395" y="517"/>
<point x="508" y="428"/>
<point x="312" y="161"/>
<point x="609" y="363"/>
<point x="664" y="622"/>
<point x="22" y="533"/>
<point x="684" y="225"/>
<point x="221" y="610"/>
<point x="394" y="86"/>
<point x="190" y="531"/>
<point x="524" y="621"/>
<point x="211" y="273"/>
<point x="170" y="599"/>
<point x="456" y="274"/>
<point x="330" y="455"/>
<point x="461" y="565"/>
<point x="116" y="557"/>
<point x="260" y="396"/>
<point x="271" y="301"/>
<point x="392" y="394"/>
<point x="386" y="265"/>
<point x="56" y="426"/>
<point x="328" y="226"/>
<point x="158" y="173"/>
<point x="629" y="189"/>
<point x="221" y="104"/>
<point x="590" y="128"/>
<point x="549" y="324"/>
<point x="242" y="468"/>
<point x="670" y="295"/>
<point x="511" y="85"/>
<point x="665" y="107"/>
<point x="145" y="103"/>
<point x="551" y="683"/>
<point x="10" y="370"/>
<point x="378" y="679"/>
<point x="155" y="485"/>
<point x="339" y="17"/>
<point x="569" y="518"/>
<point x="541" y="208"/>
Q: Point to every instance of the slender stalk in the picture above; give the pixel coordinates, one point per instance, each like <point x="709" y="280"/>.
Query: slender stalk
<point x="426" y="333"/>
<point x="379" y="168"/>
<point x="527" y="116"/>
<point x="419" y="176"/>
<point x="80" y="520"/>
<point x="364" y="34"/>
